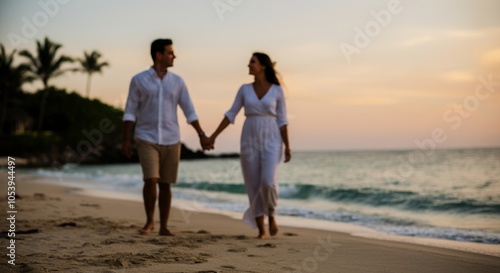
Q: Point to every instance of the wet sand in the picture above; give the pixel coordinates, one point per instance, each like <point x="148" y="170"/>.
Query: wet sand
<point x="60" y="230"/>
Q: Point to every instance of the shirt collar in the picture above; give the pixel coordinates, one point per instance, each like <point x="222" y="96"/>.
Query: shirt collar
<point x="152" y="72"/>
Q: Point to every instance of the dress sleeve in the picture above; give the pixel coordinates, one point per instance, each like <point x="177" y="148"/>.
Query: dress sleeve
<point x="186" y="104"/>
<point x="237" y="104"/>
<point x="130" y="113"/>
<point x="281" y="109"/>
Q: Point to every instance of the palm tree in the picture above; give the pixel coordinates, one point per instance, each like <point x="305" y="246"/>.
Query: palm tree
<point x="90" y="65"/>
<point x="11" y="79"/>
<point x="45" y="66"/>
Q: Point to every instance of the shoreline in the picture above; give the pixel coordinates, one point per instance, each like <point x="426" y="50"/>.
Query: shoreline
<point x="106" y="230"/>
<point x="288" y="221"/>
<point x="322" y="225"/>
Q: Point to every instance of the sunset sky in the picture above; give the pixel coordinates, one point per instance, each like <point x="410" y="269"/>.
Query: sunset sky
<point x="359" y="75"/>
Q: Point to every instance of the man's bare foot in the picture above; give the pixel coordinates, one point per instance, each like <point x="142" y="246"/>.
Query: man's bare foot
<point x="146" y="229"/>
<point x="261" y="236"/>
<point x="273" y="227"/>
<point x="165" y="232"/>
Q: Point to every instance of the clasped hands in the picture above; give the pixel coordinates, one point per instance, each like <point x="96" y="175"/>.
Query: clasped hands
<point x="207" y="143"/>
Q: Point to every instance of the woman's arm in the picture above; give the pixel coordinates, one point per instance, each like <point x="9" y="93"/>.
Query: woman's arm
<point x="283" y="124"/>
<point x="223" y="124"/>
<point x="230" y="115"/>
<point x="284" y="137"/>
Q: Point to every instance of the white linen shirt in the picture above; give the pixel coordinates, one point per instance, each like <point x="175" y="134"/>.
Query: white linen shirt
<point x="152" y="104"/>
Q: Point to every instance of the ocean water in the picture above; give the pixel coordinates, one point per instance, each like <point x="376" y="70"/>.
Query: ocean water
<point x="447" y="194"/>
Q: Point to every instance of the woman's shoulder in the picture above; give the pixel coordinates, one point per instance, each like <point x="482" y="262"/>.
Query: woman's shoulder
<point x="244" y="87"/>
<point x="278" y="88"/>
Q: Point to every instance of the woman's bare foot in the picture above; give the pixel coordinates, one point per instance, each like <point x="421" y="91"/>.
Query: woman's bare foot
<point x="165" y="232"/>
<point x="146" y="229"/>
<point x="260" y="225"/>
<point x="273" y="227"/>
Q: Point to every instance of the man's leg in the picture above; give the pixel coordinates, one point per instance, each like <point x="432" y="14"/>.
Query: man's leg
<point x="164" y="203"/>
<point x="150" y="158"/>
<point x="149" y="196"/>
<point x="169" y="162"/>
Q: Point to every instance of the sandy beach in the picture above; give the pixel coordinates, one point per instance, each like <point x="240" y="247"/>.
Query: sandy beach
<point x="58" y="229"/>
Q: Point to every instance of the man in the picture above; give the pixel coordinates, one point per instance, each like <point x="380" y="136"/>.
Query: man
<point x="152" y="102"/>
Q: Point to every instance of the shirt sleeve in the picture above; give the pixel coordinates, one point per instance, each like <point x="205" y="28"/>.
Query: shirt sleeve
<point x="186" y="104"/>
<point x="237" y="104"/>
<point x="281" y="109"/>
<point x="130" y="113"/>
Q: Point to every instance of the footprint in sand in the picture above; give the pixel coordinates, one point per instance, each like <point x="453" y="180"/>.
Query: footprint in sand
<point x="203" y="232"/>
<point x="254" y="256"/>
<point x="97" y="206"/>
<point x="268" y="245"/>
<point x="242" y="249"/>
<point x="290" y="234"/>
<point x="67" y="224"/>
<point x="39" y="195"/>
<point x="121" y="263"/>
<point x="117" y="241"/>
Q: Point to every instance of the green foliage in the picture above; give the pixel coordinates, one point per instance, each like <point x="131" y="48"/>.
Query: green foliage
<point x="11" y="80"/>
<point x="64" y="121"/>
<point x="68" y="122"/>
<point x="90" y="64"/>
<point x="45" y="65"/>
<point x="29" y="143"/>
<point x="68" y="115"/>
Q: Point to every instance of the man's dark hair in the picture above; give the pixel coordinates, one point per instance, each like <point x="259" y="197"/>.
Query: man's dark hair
<point x="159" y="46"/>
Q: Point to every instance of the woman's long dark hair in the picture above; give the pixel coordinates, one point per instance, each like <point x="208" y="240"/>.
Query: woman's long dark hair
<point x="269" y="72"/>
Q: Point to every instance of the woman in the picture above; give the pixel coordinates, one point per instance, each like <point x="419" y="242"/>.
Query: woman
<point x="262" y="139"/>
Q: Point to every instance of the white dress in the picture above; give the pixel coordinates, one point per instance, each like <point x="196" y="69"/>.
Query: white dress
<point x="261" y="147"/>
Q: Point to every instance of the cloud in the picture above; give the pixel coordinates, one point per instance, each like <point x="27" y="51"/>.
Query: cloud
<point x="466" y="34"/>
<point x="491" y="58"/>
<point x="475" y="33"/>
<point x="440" y="34"/>
<point x="364" y="100"/>
<point x="417" y="41"/>
<point x="458" y="76"/>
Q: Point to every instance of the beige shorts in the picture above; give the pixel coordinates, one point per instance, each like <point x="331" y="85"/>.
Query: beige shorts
<point x="159" y="161"/>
